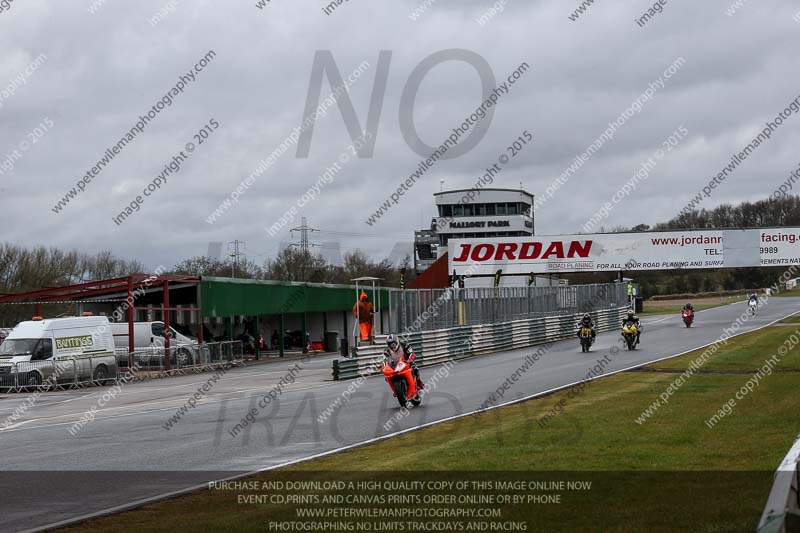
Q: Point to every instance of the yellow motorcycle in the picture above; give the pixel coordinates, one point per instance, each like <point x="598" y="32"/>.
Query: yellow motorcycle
<point x="586" y="339"/>
<point x="629" y="332"/>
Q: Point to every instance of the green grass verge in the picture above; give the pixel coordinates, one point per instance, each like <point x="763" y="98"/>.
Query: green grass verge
<point x="745" y="352"/>
<point x="792" y="292"/>
<point x="670" y="473"/>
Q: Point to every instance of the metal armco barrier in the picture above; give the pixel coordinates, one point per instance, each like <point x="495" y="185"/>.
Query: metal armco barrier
<point x="449" y="344"/>
<point x="782" y="512"/>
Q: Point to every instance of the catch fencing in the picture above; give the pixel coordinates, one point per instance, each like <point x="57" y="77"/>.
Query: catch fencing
<point x="184" y="357"/>
<point x="55" y="374"/>
<point x="107" y="369"/>
<point x="530" y="316"/>
<point x="430" y="309"/>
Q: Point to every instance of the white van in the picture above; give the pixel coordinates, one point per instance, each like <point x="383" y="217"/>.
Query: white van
<point x="149" y="337"/>
<point x="75" y="349"/>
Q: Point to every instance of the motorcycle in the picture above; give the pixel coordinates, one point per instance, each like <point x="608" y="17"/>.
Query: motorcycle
<point x="629" y="331"/>
<point x="402" y="382"/>
<point x="753" y="305"/>
<point x="585" y="336"/>
<point x="688" y="317"/>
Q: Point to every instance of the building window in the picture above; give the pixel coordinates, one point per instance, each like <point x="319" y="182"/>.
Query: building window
<point x="445" y="210"/>
<point x="458" y="210"/>
<point x="512" y="209"/>
<point x="469" y="210"/>
<point x="480" y="210"/>
<point x="500" y="209"/>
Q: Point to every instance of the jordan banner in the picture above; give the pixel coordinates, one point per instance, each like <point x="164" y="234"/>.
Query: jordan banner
<point x="625" y="251"/>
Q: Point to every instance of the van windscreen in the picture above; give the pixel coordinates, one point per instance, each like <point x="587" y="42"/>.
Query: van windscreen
<point x="12" y="347"/>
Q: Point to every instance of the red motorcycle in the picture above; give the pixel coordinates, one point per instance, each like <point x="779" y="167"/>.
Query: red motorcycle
<point x="688" y="317"/>
<point x="402" y="382"/>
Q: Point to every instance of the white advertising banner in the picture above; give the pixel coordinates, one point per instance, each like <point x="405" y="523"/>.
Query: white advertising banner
<point x="625" y="251"/>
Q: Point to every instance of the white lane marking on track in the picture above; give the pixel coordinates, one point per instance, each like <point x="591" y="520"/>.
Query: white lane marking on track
<point x="145" y="412"/>
<point x="179" y="385"/>
<point x="141" y="390"/>
<point x="37" y="404"/>
<point x="648" y="323"/>
<point x="7" y="428"/>
<point x="696" y="312"/>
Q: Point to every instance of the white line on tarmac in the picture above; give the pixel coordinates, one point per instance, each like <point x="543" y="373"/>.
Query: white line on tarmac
<point x="6" y="428"/>
<point x="148" y="390"/>
<point x="175" y="405"/>
<point x="228" y="378"/>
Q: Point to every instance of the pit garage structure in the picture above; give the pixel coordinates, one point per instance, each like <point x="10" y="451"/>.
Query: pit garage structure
<point x="201" y="304"/>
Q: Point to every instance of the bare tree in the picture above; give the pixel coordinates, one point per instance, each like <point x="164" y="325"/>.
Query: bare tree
<point x="293" y="264"/>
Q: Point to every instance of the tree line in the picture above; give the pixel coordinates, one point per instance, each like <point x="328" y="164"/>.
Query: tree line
<point x="26" y="269"/>
<point x="782" y="211"/>
<point x="295" y="264"/>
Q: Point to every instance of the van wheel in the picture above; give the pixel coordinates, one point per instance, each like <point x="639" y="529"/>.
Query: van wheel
<point x="34" y="379"/>
<point x="100" y="375"/>
<point x="184" y="358"/>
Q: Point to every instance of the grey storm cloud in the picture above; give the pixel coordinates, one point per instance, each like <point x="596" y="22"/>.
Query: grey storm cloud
<point x="107" y="63"/>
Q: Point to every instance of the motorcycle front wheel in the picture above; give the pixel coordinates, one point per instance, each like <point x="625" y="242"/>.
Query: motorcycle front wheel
<point x="400" y="389"/>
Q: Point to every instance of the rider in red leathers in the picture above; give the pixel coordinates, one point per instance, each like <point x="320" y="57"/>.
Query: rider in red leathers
<point x="395" y="350"/>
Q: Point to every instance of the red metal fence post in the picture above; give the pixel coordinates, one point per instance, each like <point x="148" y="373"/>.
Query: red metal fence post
<point x="131" y="317"/>
<point x="165" y="315"/>
<point x="200" y="321"/>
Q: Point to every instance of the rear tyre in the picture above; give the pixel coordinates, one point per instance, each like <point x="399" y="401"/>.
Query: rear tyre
<point x="400" y="388"/>
<point x="100" y="375"/>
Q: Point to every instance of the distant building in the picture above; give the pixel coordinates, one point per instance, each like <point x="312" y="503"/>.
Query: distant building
<point x="473" y="214"/>
<point x="426" y="245"/>
<point x="214" y="252"/>
<point x="400" y="251"/>
<point x="331" y="251"/>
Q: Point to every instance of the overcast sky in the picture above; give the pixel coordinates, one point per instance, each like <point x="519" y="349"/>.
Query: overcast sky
<point x="105" y="69"/>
